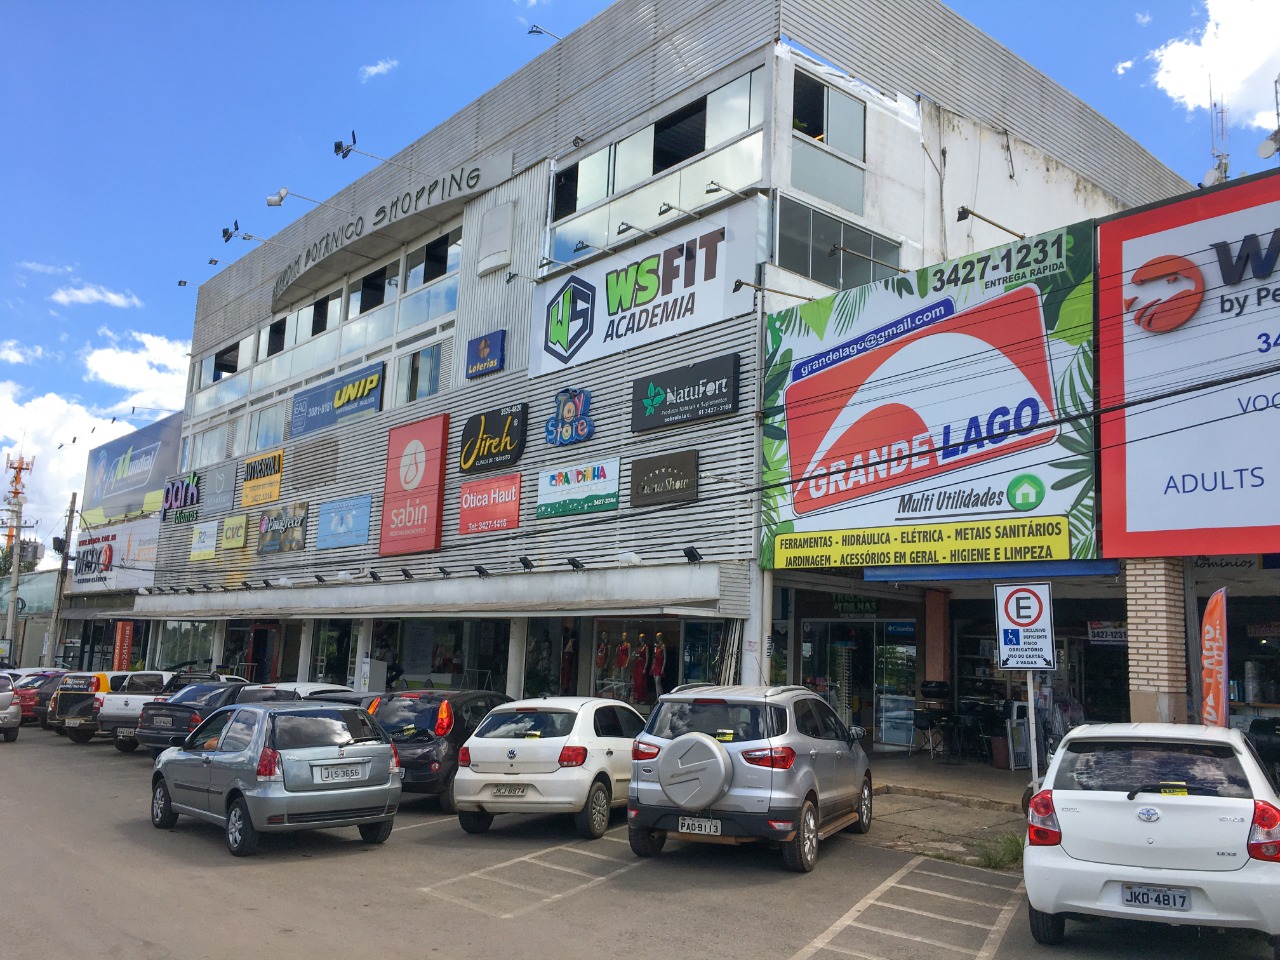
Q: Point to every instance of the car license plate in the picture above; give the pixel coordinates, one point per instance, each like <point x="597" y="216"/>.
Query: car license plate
<point x="162" y="721"/>
<point x="342" y="771"/>
<point x="125" y="733"/>
<point x="72" y="723"/>
<point x="509" y="790"/>
<point x="709" y="828"/>
<point x="1158" y="898"/>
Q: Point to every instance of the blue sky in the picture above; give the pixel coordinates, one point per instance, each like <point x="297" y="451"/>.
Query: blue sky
<point x="134" y="132"/>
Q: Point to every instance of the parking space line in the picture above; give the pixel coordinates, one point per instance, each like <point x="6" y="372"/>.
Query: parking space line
<point x="824" y="938"/>
<point x="1001" y="925"/>
<point x="568" y="893"/>
<point x="976" y="883"/>
<point x="911" y="936"/>
<point x="945" y="896"/>
<point x="933" y="916"/>
<point x="843" y="951"/>
<point x="508" y="883"/>
<point x="424" y="823"/>
<point x="556" y="866"/>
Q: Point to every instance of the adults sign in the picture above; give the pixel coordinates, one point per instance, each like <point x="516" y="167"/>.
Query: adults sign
<point x="1024" y="624"/>
<point x="939" y="417"/>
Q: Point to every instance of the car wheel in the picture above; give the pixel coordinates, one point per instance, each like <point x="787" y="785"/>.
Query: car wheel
<point x="126" y="746"/>
<point x="242" y="838"/>
<point x="80" y="736"/>
<point x="593" y="819"/>
<point x="446" y="798"/>
<point x="800" y="853"/>
<point x="1027" y="794"/>
<point x="1046" y="928"/>
<point x="694" y="771"/>
<point x="645" y="842"/>
<point x="10" y="734"/>
<point x="162" y="815"/>
<point x="60" y="731"/>
<point x="374" y="833"/>
<point x="44" y="722"/>
<point x="864" y="808"/>
<point x="473" y="821"/>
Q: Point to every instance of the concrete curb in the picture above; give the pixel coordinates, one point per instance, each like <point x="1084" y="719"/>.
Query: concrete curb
<point x="960" y="799"/>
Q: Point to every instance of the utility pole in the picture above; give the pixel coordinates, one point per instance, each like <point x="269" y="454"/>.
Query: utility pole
<point x="15" y="501"/>
<point x="54" y="627"/>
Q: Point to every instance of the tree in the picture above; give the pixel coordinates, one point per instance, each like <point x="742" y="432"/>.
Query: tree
<point x="5" y="566"/>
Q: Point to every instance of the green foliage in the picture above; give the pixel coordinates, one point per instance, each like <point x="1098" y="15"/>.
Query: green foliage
<point x="1002" y="853"/>
<point x="1057" y="289"/>
<point x="1073" y="392"/>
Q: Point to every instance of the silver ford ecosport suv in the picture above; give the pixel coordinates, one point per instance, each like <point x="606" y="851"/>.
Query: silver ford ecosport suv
<point x="738" y="764"/>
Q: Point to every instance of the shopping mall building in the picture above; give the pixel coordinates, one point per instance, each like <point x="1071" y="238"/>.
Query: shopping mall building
<point x="522" y="407"/>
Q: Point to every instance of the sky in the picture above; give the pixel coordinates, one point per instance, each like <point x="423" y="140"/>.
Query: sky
<point x="134" y="132"/>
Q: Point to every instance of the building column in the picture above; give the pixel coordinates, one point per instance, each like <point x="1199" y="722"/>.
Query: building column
<point x="518" y="639"/>
<point x="1156" y="601"/>
<point x="304" y="650"/>
<point x="937" y="635"/>
<point x="219" y="643"/>
<point x="758" y="626"/>
<point x="364" y="644"/>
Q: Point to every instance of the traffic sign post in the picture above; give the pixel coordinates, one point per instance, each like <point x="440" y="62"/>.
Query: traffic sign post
<point x="1024" y="621"/>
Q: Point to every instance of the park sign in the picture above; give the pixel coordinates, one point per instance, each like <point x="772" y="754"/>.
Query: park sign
<point x="939" y="417"/>
<point x="1024" y="623"/>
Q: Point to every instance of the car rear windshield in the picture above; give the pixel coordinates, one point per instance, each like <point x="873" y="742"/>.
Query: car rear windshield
<point x="324" y="728"/>
<point x="409" y="717"/>
<point x="1202" y="769"/>
<point x="26" y="683"/>
<point x="5" y="684"/>
<point x="526" y="724"/>
<point x="727" y="722"/>
<point x="198" y="694"/>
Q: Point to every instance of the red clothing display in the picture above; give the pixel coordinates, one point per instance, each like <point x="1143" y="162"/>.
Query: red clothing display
<point x="622" y="656"/>
<point x="602" y="654"/>
<point x="639" y="670"/>
<point x="659" y="660"/>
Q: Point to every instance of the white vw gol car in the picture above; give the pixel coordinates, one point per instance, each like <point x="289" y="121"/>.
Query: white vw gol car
<point x="551" y="755"/>
<point x="1163" y="822"/>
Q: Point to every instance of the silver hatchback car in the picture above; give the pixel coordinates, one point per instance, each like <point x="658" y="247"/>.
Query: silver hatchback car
<point x="739" y="764"/>
<point x="254" y="768"/>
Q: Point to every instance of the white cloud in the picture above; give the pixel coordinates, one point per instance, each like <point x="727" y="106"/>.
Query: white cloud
<point x="91" y="293"/>
<point x="377" y="69"/>
<point x="1122" y="67"/>
<point x="32" y="267"/>
<point x="11" y="351"/>
<point x="1142" y="18"/>
<point x="152" y="371"/>
<point x="1237" y="52"/>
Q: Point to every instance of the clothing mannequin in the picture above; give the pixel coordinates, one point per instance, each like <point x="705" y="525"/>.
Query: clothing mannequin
<point x="640" y="671"/>
<point x="623" y="655"/>
<point x="568" y="662"/>
<point x="658" y="667"/>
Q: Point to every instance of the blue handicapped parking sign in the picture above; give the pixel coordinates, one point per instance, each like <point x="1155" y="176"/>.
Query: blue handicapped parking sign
<point x="1012" y="637"/>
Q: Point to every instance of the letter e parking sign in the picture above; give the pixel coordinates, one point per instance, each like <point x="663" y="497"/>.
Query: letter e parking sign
<point x="1024" y="617"/>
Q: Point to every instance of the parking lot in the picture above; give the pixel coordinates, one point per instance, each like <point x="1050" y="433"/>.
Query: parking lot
<point x="85" y="874"/>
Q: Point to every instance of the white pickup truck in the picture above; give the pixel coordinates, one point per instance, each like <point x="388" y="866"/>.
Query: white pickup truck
<point x="116" y="713"/>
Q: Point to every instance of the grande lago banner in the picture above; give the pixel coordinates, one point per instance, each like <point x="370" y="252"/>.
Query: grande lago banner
<point x="938" y="417"/>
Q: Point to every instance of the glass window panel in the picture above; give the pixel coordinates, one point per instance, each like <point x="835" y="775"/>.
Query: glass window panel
<point x="757" y="96"/>
<point x="737" y="166"/>
<point x="825" y="175"/>
<point x="353" y="300"/>
<point x="826" y="232"/>
<point x="808" y="106"/>
<point x="413" y="268"/>
<point x="246" y="350"/>
<point x="590" y="228"/>
<point x="633" y="159"/>
<point x="291" y="330"/>
<point x="418" y="375"/>
<point x="455" y="249"/>
<point x="444" y="296"/>
<point x="638" y="208"/>
<point x="729" y="110"/>
<point x="593" y="178"/>
<point x="793" y="236"/>
<point x="237" y="442"/>
<point x="680" y="136"/>
<point x="855" y="271"/>
<point x="413" y="309"/>
<point x="564" y="192"/>
<point x="266" y="427"/>
<point x="846" y="124"/>
<point x="206" y="370"/>
<point x="859" y="241"/>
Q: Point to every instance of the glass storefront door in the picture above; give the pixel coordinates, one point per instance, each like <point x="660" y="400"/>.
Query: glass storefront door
<point x="866" y="671"/>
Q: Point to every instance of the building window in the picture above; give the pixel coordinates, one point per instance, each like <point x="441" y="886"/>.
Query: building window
<point x="374" y="289"/>
<point x="830" y="251"/>
<point x="209" y="446"/>
<point x="433" y="261"/>
<point x="828" y="116"/>
<point x="418" y="374"/>
<point x="266" y="427"/>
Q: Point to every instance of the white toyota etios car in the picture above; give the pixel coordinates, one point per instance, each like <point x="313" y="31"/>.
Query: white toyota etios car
<point x="1164" y="822"/>
<point x="552" y="755"/>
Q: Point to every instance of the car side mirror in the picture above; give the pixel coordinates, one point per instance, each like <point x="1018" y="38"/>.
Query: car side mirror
<point x="856" y="734"/>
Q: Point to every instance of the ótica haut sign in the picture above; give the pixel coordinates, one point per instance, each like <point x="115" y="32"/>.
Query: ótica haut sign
<point x="493" y="439"/>
<point x="489" y="504"/>
<point x="1194" y="300"/>
<point x="938" y="417"/>
<point x="413" y="487"/>
<point x="663" y="288"/>
<point x="341" y="398"/>
<point x="685" y="394"/>
<point x="487" y="354"/>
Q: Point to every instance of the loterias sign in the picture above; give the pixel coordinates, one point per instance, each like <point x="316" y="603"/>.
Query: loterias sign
<point x="685" y="394"/>
<point x="494" y="439"/>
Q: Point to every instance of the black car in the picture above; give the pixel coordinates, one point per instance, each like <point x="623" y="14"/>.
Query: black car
<point x="428" y="727"/>
<point x="43" y="695"/>
<point x="162" y="720"/>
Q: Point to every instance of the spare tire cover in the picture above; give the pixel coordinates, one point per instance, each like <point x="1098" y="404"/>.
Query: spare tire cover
<point x="694" y="771"/>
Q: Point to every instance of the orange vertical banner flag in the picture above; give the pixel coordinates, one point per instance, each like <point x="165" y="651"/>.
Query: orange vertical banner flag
<point x="1213" y="661"/>
<point x="124" y="645"/>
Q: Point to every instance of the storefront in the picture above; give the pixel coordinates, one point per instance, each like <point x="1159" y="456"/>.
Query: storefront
<point x="437" y="654"/>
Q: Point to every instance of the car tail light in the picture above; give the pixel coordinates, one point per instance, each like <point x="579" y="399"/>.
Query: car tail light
<point x="714" y="700"/>
<point x="573" y="756"/>
<point x="97" y="705"/>
<point x="777" y="758"/>
<point x="395" y="761"/>
<point x="269" y="765"/>
<point x="1264" y="835"/>
<point x="464" y="757"/>
<point x="1042" y="821"/>
<point x="194" y="722"/>
<point x="95" y="684"/>
<point x="373" y="705"/>
<point x="644" y="751"/>
<point x="444" y="719"/>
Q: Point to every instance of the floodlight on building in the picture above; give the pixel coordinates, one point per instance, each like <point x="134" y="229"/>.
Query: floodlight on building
<point x="277" y="199"/>
<point x="182" y="283"/>
<point x="964" y="213"/>
<point x="319" y="579"/>
<point x="624" y="227"/>
<point x="406" y="573"/>
<point x="739" y="284"/>
<point x="373" y="575"/>
<point x="536" y="31"/>
<point x="345" y="150"/>
<point x="526" y="563"/>
<point x="715" y="186"/>
<point x="549" y="261"/>
<point x="576" y="563"/>
<point x="481" y="571"/>
<point x="444" y="572"/>
<point x="692" y="555"/>
<point x="583" y="245"/>
<point x="668" y="207"/>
